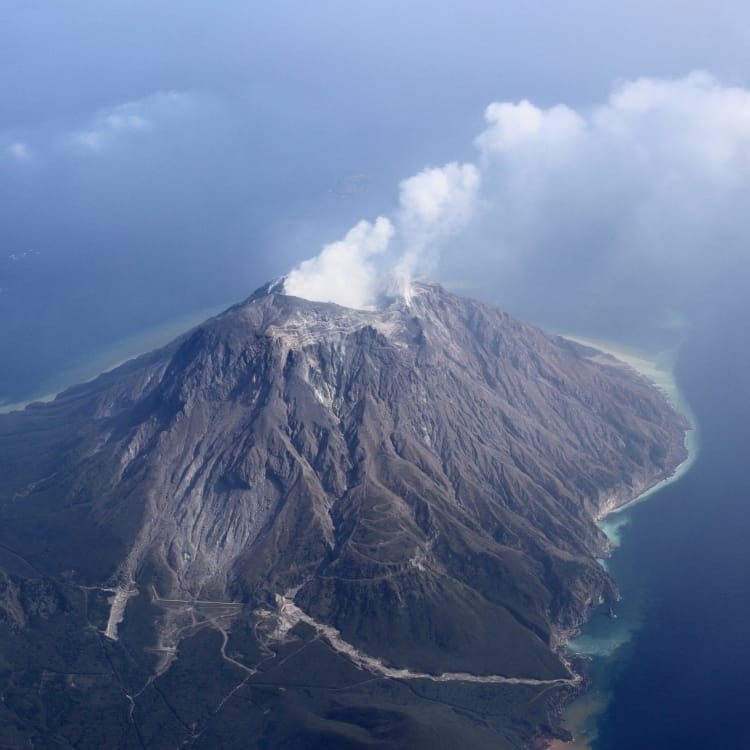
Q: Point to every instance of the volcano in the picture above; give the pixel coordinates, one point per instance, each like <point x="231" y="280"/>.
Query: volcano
<point x="301" y="525"/>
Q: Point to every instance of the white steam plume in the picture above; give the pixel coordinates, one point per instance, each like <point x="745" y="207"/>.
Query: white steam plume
<point x="652" y="184"/>
<point x="344" y="271"/>
<point x="434" y="204"/>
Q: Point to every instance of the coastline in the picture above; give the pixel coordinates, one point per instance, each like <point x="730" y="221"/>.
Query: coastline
<point x="112" y="356"/>
<point x="658" y="368"/>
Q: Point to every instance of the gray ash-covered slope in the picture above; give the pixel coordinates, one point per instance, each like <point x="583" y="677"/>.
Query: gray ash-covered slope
<point x="424" y="478"/>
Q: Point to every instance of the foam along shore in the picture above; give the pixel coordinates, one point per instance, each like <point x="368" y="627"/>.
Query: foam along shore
<point x="113" y="356"/>
<point x="579" y="716"/>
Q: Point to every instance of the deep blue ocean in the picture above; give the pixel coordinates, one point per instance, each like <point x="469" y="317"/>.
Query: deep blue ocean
<point x="677" y="660"/>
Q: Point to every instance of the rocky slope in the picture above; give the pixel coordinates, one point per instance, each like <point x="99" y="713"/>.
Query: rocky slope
<point x="421" y="480"/>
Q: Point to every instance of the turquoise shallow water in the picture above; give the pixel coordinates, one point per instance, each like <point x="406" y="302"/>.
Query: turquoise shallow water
<point x="670" y="670"/>
<point x="107" y="358"/>
<point x="605" y="639"/>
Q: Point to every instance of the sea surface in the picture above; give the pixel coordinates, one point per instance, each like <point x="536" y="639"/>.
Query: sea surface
<point x="88" y="364"/>
<point x="671" y="670"/>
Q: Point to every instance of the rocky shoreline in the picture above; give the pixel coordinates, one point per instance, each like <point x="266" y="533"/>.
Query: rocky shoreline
<point x="562" y="738"/>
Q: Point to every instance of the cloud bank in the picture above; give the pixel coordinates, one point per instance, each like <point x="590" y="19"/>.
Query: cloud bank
<point x="642" y="194"/>
<point x="18" y="151"/>
<point x="653" y="181"/>
<point x="118" y="121"/>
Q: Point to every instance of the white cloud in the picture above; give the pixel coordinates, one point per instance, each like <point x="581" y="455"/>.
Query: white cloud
<point x="434" y="205"/>
<point x="125" y="121"/>
<point x="19" y="151"/>
<point x="653" y="184"/>
<point x="693" y="124"/>
<point x="129" y="118"/>
<point x="110" y="124"/>
<point x="438" y="200"/>
<point x="516" y="128"/>
<point x="344" y="272"/>
<point x="645" y="183"/>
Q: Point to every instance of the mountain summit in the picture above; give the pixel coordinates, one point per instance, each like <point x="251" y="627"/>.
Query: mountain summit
<point x="308" y="496"/>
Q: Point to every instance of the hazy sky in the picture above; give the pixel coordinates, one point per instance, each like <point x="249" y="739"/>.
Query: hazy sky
<point x="158" y="157"/>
